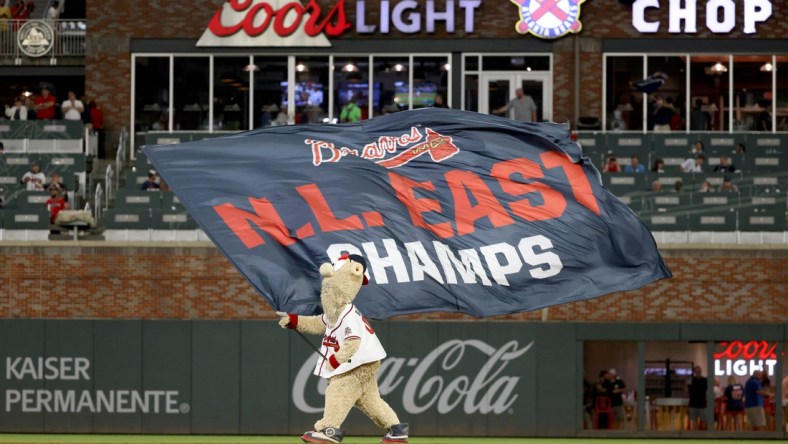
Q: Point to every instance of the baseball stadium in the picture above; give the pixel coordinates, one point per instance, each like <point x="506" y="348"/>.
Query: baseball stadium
<point x="424" y="221"/>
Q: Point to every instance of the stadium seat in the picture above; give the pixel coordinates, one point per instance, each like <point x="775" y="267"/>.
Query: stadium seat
<point x="673" y="221"/>
<point x="127" y="219"/>
<point x="622" y="184"/>
<point x="762" y="218"/>
<point x="169" y="201"/>
<point x="673" y="149"/>
<point x="172" y="220"/>
<point x="594" y="146"/>
<point x="131" y="198"/>
<point x="31" y="218"/>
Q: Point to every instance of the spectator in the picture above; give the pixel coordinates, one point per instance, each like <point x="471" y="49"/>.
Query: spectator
<point x="31" y="108"/>
<point x="656" y="186"/>
<point x="695" y="165"/>
<point x="753" y="401"/>
<point x="658" y="167"/>
<point x="697" y="386"/>
<point x="734" y="402"/>
<point x="88" y="108"/>
<point x="700" y="120"/>
<point x="706" y="187"/>
<point x="5" y="15"/>
<point x="663" y="114"/>
<point x="18" y="111"/>
<point x="741" y="149"/>
<point x="523" y="105"/>
<point x="281" y="117"/>
<point x="728" y="186"/>
<point x="53" y="13"/>
<point x="611" y="166"/>
<point x="34" y="179"/>
<point x="677" y="186"/>
<point x="58" y="184"/>
<point x="161" y="124"/>
<point x="725" y="166"/>
<point x="439" y="103"/>
<point x="73" y="107"/>
<point x="19" y="5"/>
<point x="97" y="122"/>
<point x="350" y="113"/>
<point x="634" y="166"/>
<point x="23" y="13"/>
<point x="151" y="184"/>
<point x="718" y="391"/>
<point x="45" y="104"/>
<point x="698" y="148"/>
<point x="2" y="149"/>
<point x="614" y="387"/>
<point x="55" y="204"/>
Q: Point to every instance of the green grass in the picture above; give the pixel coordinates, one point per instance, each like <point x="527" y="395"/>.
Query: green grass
<point x="202" y="439"/>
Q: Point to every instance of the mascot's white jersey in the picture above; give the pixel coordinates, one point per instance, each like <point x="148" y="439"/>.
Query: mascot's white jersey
<point x="351" y="325"/>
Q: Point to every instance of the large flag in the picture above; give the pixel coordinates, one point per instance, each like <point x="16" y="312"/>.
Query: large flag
<point x="453" y="211"/>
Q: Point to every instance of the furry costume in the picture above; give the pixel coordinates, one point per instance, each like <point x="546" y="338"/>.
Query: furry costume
<point x="351" y="383"/>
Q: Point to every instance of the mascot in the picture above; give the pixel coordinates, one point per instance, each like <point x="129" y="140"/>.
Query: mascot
<point x="351" y="354"/>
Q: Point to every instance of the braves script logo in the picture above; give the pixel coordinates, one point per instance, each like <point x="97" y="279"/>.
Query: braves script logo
<point x="548" y="19"/>
<point x="488" y="391"/>
<point x="416" y="144"/>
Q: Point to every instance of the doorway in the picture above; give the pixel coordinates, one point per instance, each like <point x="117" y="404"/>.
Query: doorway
<point x="498" y="88"/>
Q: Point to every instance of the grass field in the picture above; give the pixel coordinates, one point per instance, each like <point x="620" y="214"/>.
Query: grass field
<point x="165" y="439"/>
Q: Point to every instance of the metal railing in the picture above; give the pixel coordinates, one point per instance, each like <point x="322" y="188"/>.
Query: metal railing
<point x="98" y="210"/>
<point x="109" y="181"/>
<point x="68" y="38"/>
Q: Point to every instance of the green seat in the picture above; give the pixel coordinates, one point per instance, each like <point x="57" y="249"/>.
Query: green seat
<point x="594" y="146"/>
<point x="675" y="221"/>
<point x="762" y="218"/>
<point x="129" y="198"/>
<point x="622" y="184"/>
<point x="127" y="219"/>
<point x="717" y="219"/>
<point x="32" y="218"/>
<point x="169" y="201"/>
<point x="31" y="199"/>
<point x="172" y="220"/>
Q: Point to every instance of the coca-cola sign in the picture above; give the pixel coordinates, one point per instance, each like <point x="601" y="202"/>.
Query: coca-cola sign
<point x="471" y="377"/>
<point x="265" y="23"/>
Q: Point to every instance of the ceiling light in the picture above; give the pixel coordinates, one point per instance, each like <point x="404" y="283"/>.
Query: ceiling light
<point x="719" y="68"/>
<point x="767" y="67"/>
<point x="399" y="67"/>
<point x="447" y="67"/>
<point x="301" y="67"/>
<point x="251" y="68"/>
<point x="349" y="68"/>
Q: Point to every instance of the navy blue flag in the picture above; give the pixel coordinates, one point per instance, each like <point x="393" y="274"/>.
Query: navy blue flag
<point x="454" y="211"/>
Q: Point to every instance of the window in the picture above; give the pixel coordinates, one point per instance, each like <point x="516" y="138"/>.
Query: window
<point x="430" y="81"/>
<point x="269" y="108"/>
<point x="391" y="76"/>
<point x="781" y="74"/>
<point x="672" y="94"/>
<point x="351" y="84"/>
<point x="190" y="93"/>
<point x="709" y="92"/>
<point x="230" y="93"/>
<point x="752" y="93"/>
<point x="311" y="89"/>
<point x="610" y="385"/>
<point x="624" y="103"/>
<point x="151" y="93"/>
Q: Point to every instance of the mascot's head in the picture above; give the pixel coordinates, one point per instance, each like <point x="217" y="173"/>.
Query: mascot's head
<point x="341" y="282"/>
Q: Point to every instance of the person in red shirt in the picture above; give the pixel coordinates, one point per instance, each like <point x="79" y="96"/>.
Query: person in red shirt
<point x="97" y="122"/>
<point x="55" y="204"/>
<point x="45" y="105"/>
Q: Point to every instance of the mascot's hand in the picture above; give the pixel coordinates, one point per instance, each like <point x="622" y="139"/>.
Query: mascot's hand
<point x="289" y="321"/>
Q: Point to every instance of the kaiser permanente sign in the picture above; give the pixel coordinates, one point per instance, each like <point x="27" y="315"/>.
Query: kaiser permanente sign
<point x="295" y="23"/>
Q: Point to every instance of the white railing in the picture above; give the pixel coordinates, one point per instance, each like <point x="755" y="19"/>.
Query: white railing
<point x="68" y="38"/>
<point x="109" y="180"/>
<point x="98" y="210"/>
<point x="120" y="156"/>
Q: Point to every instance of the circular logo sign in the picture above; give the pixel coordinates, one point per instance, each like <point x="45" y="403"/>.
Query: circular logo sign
<point x="35" y="38"/>
<point x="549" y="19"/>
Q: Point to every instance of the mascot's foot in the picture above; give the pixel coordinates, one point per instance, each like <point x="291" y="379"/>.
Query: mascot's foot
<point x="397" y="433"/>
<point x="328" y="434"/>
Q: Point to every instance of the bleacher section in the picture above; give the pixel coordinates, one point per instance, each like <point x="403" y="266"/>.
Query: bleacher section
<point x="757" y="205"/>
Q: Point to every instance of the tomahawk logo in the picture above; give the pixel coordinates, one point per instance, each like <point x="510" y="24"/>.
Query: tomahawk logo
<point x="438" y="146"/>
<point x="548" y="19"/>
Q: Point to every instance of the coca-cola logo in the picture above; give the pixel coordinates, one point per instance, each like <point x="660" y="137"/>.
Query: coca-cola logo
<point x="487" y="391"/>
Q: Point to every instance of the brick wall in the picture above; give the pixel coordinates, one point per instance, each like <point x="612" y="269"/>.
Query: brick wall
<point x="114" y="281"/>
<point x="113" y="23"/>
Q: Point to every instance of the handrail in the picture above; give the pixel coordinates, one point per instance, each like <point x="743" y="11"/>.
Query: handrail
<point x="98" y="209"/>
<point x="109" y="178"/>
<point x="68" y="36"/>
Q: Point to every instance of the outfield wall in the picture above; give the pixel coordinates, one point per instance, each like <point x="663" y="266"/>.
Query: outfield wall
<point x="117" y="280"/>
<point x="252" y="377"/>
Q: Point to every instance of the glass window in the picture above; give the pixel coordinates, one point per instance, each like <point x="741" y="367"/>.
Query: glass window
<point x="752" y="93"/>
<point x="151" y="93"/>
<point x="782" y="95"/>
<point x="677" y="386"/>
<point x="430" y="82"/>
<point x="610" y="384"/>
<point x="311" y="90"/>
<point x="709" y="88"/>
<point x="391" y="76"/>
<point x="624" y="102"/>
<point x="471" y="92"/>
<point x="269" y="77"/>
<point x="351" y="85"/>
<point x="744" y="367"/>
<point x="230" y="93"/>
<point x="516" y="63"/>
<point x="190" y="92"/>
<point x="667" y="105"/>
<point x="471" y="62"/>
